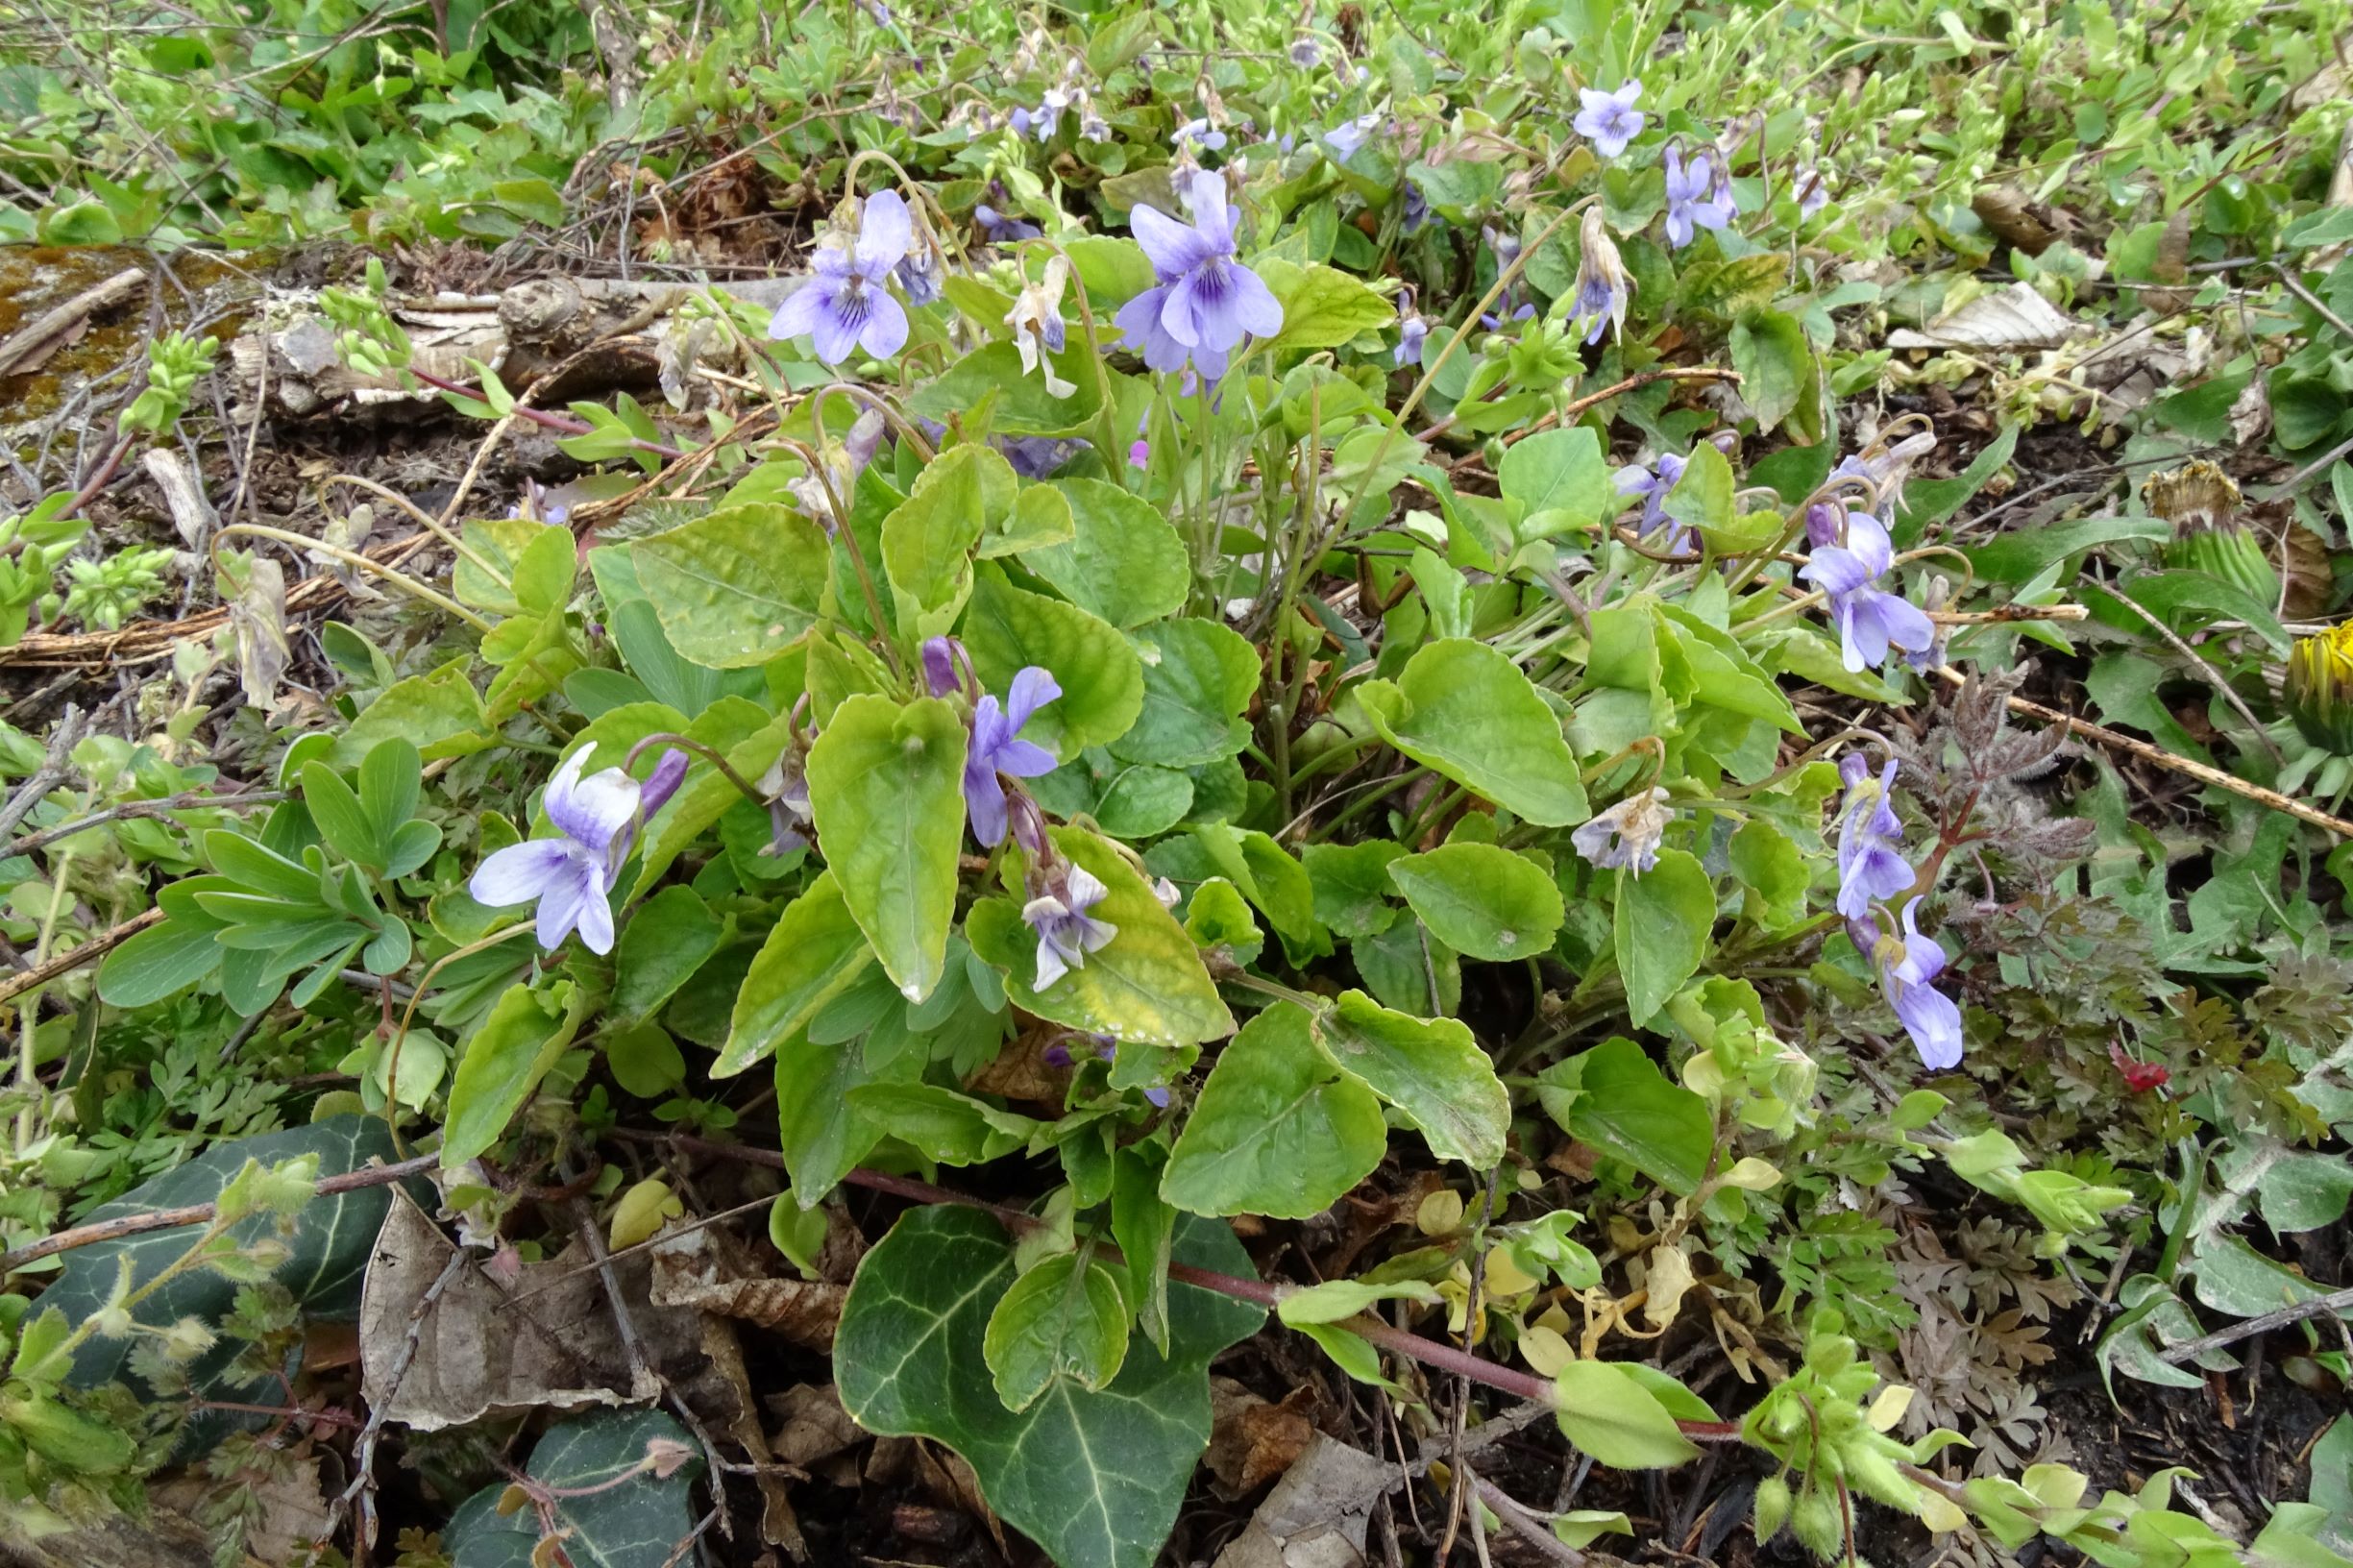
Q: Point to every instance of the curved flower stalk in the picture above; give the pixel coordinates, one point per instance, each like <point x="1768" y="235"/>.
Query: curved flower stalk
<point x="1205" y="301"/>
<point x="1038" y="331"/>
<point x="572" y="875"/>
<point x="847" y="303"/>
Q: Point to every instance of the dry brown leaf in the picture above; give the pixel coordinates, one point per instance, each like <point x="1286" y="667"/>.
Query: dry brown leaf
<point x="551" y="1341"/>
<point x="1319" y="1512"/>
<point x="258" y="613"/>
<point x="1252" y="1442"/>
<point x="2017" y="219"/>
<point x="688" y="1272"/>
<point x="2013" y="318"/>
<point x="815" y="1425"/>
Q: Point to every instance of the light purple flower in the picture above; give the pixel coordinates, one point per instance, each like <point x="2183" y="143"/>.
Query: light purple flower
<point x="1062" y="893"/>
<point x="845" y="304"/>
<point x="997" y="748"/>
<point x="1610" y="120"/>
<point x="942" y="662"/>
<point x="1348" y="135"/>
<point x="1870" y="620"/>
<point x="1198" y="133"/>
<point x="1305" y="51"/>
<point x="1871" y="862"/>
<point x="1626" y="834"/>
<point x="571" y="874"/>
<point x="1908" y="966"/>
<point x="1692" y="201"/>
<point x="1411" y="331"/>
<point x="1635" y="479"/>
<point x="1001" y="228"/>
<point x="1416" y="211"/>
<point x="1205" y="301"/>
<point x="785" y="785"/>
<point x="1138" y="453"/>
<point x="1813" y="192"/>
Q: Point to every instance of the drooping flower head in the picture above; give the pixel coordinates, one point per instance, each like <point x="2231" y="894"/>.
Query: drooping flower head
<point x="569" y="875"/>
<point x="1198" y="133"/>
<point x="1411" y="331"/>
<point x="1603" y="287"/>
<point x="1205" y="301"/>
<point x="1871" y="862"/>
<point x="1626" y="834"/>
<point x="1306" y="51"/>
<point x="1813" y="192"/>
<point x="845" y="304"/>
<point x="1693" y="201"/>
<point x="1001" y="228"/>
<point x="1610" y="120"/>
<point x="1908" y="966"/>
<point x="997" y="748"/>
<point x="1635" y="479"/>
<point x="845" y="460"/>
<point x="1061" y="894"/>
<point x="1035" y="320"/>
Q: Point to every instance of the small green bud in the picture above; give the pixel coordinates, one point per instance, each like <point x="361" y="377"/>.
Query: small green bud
<point x="1816" y="1523"/>
<point x="1772" y="1502"/>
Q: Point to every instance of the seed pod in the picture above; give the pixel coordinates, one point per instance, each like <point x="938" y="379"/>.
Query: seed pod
<point x="1816" y="1523"/>
<point x="2202" y="504"/>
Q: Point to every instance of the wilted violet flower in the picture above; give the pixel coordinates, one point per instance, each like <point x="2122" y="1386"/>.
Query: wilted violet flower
<point x="1610" y="120"/>
<point x="1871" y="862"/>
<point x="1603" y="287"/>
<point x="845" y="304"/>
<point x="1869" y="618"/>
<point x="571" y="874"/>
<point x="844" y="463"/>
<point x="786" y="788"/>
<point x="997" y="748"/>
<point x="1061" y="894"/>
<point x="1692" y="201"/>
<point x="1813" y="192"/>
<point x="1206" y="302"/>
<point x="1035" y="320"/>
<point x="1417" y="209"/>
<point x="1908" y="966"/>
<point x="1037" y="457"/>
<point x="1626" y="834"/>
<point x="1305" y="51"/>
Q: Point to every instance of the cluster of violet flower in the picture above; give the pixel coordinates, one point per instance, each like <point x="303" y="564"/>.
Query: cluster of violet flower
<point x="1870" y="869"/>
<point x="1060" y="891"/>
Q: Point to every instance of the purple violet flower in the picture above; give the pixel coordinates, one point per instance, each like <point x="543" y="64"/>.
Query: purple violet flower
<point x="1692" y="201"/>
<point x="1138" y="453"/>
<point x="1000" y="228"/>
<point x="1198" y="133"/>
<point x="1412" y="333"/>
<point x="571" y="875"/>
<point x="997" y="748"/>
<point x="1908" y="966"/>
<point x="1626" y="834"/>
<point x="1345" y="138"/>
<point x="1062" y="894"/>
<point x="846" y="303"/>
<point x="1871" y="862"/>
<point x="1870" y="620"/>
<point x="1610" y="120"/>
<point x="1417" y="209"/>
<point x="1205" y="301"/>
<point x="1305" y="51"/>
<point x="1635" y="479"/>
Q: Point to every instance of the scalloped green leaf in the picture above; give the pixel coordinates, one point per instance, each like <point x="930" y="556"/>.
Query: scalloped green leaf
<point x="1007" y="629"/>
<point x="1464" y="710"/>
<point x="735" y="586"/>
<point x="1481" y="901"/>
<point x="1431" y="1070"/>
<point x="1281" y="1128"/>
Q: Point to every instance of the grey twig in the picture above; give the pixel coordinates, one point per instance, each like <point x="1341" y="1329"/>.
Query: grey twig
<point x="57" y="767"/>
<point x="2332" y="1304"/>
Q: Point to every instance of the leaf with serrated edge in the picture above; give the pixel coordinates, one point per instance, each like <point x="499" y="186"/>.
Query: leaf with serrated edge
<point x="1279" y="1129"/>
<point x="1432" y="1069"/>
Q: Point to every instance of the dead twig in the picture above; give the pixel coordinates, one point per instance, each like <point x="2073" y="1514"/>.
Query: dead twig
<point x="2332" y="1304"/>
<point x="197" y="1214"/>
<point x="362" y="1488"/>
<point x="66" y="962"/>
<point x="57" y="767"/>
<point x="187" y="800"/>
<point x="30" y="347"/>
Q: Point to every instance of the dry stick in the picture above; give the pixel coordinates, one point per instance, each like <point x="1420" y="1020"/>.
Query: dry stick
<point x="187" y="800"/>
<point x="2312" y="1306"/>
<point x="2214" y="677"/>
<point x="56" y="767"/>
<point x="196" y="1214"/>
<point x="26" y="348"/>
<point x="1524" y="1524"/>
<point x="362" y="1487"/>
<point x="66" y="962"/>
<point x="2180" y="764"/>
